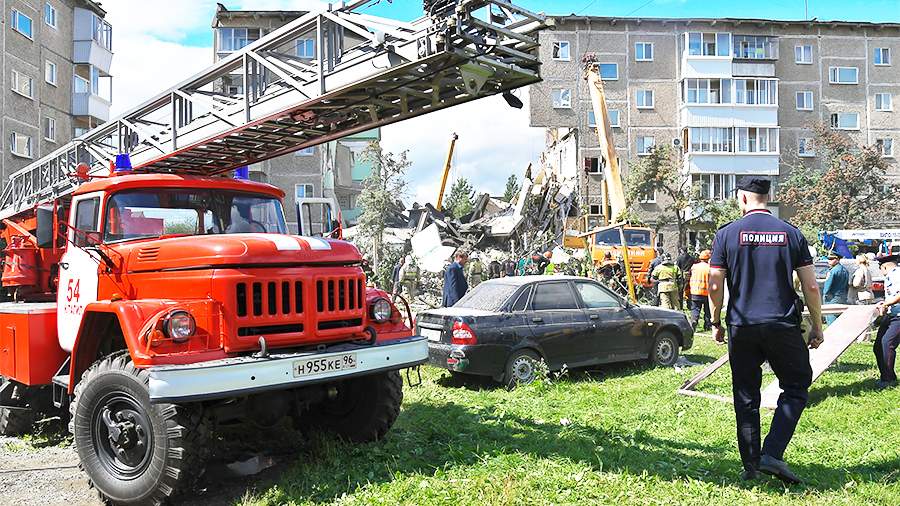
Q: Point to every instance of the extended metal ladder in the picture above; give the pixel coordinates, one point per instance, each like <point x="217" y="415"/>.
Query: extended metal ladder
<point x="368" y="72"/>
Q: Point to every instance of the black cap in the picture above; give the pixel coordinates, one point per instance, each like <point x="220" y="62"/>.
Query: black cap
<point x="888" y="258"/>
<point x="754" y="184"/>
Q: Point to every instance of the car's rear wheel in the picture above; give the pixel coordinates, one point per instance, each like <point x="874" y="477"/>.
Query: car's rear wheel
<point x="521" y="368"/>
<point x="665" y="349"/>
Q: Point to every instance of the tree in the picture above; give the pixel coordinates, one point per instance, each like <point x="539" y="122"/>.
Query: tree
<point x="848" y="189"/>
<point x="461" y="200"/>
<point x="379" y="200"/>
<point x="512" y="188"/>
<point x="658" y="173"/>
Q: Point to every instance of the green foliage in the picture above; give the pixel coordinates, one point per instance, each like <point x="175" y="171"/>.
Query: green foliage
<point x="379" y="200"/>
<point x="848" y="190"/>
<point x="719" y="212"/>
<point x="512" y="188"/>
<point x="620" y="435"/>
<point x="461" y="199"/>
<point x="659" y="173"/>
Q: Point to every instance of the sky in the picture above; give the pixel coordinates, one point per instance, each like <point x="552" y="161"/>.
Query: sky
<point x="162" y="42"/>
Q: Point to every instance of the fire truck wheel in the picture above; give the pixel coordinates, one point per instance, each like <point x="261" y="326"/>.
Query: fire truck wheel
<point x="362" y="410"/>
<point x="133" y="452"/>
<point x="15" y="421"/>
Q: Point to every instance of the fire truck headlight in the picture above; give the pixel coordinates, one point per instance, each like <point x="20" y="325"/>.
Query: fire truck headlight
<point x="180" y="325"/>
<point x="381" y="310"/>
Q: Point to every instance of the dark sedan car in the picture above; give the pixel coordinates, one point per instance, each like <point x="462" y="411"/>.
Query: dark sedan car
<point x="504" y="326"/>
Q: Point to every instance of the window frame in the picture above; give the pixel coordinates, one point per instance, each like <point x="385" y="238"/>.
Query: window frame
<point x="310" y="151"/>
<point x="600" y="71"/>
<point x="802" y="49"/>
<point x="880" y="143"/>
<point x="802" y="144"/>
<point x="16" y="77"/>
<point x="49" y="126"/>
<point x="311" y="194"/>
<point x="882" y="51"/>
<point x="14" y="142"/>
<point x="49" y="10"/>
<point x="14" y="22"/>
<point x="640" y="141"/>
<point x="890" y="102"/>
<point x="304" y="42"/>
<point x="572" y="293"/>
<point x="563" y="92"/>
<point x="558" y="44"/>
<point x="580" y="298"/>
<point x="724" y="182"/>
<point x="835" y="125"/>
<point x="644" y="92"/>
<point x="804" y="93"/>
<point x="644" y="45"/>
<point x="834" y="74"/>
<point x="47" y="66"/>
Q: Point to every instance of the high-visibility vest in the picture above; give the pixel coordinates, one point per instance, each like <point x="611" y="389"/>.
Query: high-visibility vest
<point x="700" y="279"/>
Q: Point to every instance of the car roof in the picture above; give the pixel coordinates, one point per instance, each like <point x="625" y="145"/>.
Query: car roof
<point x="525" y="280"/>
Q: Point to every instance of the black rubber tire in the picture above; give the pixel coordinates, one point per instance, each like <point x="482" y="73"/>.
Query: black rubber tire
<point x="364" y="410"/>
<point x="515" y="374"/>
<point x="177" y="450"/>
<point x="665" y="349"/>
<point x="15" y="421"/>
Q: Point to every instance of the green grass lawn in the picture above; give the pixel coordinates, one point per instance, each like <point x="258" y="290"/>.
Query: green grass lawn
<point x="618" y="435"/>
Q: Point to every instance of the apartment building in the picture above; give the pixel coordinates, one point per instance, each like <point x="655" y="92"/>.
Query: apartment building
<point x="734" y="97"/>
<point x="56" y="58"/>
<point x="335" y="169"/>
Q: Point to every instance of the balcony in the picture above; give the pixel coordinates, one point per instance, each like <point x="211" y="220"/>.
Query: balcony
<point x="91" y="93"/>
<point x="88" y="104"/>
<point x="92" y="40"/>
<point x="728" y="115"/>
<point x="759" y="164"/>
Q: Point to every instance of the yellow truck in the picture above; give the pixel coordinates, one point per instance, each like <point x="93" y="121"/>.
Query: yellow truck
<point x="641" y="252"/>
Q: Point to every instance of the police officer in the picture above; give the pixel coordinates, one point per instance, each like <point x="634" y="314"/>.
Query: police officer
<point x="888" y="339"/>
<point x="758" y="255"/>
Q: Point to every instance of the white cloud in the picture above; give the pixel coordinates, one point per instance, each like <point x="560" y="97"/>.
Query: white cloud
<point x="494" y="142"/>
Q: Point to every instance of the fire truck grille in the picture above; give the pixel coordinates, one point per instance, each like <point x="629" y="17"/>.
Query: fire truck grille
<point x="281" y="297"/>
<point x="339" y="295"/>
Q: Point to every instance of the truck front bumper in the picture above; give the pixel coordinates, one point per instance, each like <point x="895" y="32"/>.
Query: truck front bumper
<point x="233" y="377"/>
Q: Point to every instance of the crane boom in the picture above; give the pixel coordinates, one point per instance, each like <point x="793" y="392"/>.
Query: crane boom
<point x="368" y="72"/>
<point x="446" y="174"/>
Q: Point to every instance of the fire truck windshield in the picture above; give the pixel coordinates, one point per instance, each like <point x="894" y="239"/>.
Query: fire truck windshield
<point x="632" y="238"/>
<point x="140" y="214"/>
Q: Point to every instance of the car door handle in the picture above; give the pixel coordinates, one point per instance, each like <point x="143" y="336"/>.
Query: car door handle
<point x="537" y="319"/>
<point x="595" y="317"/>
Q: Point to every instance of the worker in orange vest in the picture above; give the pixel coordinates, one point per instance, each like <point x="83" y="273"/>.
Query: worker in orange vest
<point x="700" y="290"/>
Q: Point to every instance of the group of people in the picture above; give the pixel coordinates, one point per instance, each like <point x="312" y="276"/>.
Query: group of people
<point x="684" y="279"/>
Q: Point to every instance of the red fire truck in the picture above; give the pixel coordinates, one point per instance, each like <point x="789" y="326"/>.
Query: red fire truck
<point x="153" y="295"/>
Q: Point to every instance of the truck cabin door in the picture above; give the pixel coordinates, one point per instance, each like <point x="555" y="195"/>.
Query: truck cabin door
<point x="78" y="268"/>
<point x="319" y="217"/>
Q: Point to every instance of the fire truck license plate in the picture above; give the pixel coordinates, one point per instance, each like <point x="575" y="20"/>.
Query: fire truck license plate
<point x="324" y="365"/>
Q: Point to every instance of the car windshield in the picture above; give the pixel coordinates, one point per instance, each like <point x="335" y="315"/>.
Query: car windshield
<point x="153" y="213"/>
<point x="632" y="237"/>
<point x="487" y="296"/>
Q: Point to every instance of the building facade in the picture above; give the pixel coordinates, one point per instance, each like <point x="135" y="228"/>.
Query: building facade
<point x="734" y="97"/>
<point x="56" y="58"/>
<point x="332" y="170"/>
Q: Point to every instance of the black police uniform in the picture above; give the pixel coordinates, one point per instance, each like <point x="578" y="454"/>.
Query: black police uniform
<point x="760" y="253"/>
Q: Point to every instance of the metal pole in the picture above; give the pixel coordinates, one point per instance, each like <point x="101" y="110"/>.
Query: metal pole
<point x="440" y="199"/>
<point x="628" y="278"/>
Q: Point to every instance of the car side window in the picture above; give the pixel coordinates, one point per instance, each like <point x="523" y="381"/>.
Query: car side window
<point x="522" y="301"/>
<point x="86" y="214"/>
<point x="551" y="296"/>
<point x="595" y="297"/>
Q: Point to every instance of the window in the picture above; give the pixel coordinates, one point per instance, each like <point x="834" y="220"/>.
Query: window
<point x="303" y="191"/>
<point x="882" y="56"/>
<point x="757" y="140"/>
<point x="707" y="91"/>
<point x="50" y="15"/>
<point x="709" y="44"/>
<point x="50" y="129"/>
<point x="593" y="166"/>
<point x="645" y="99"/>
<point x="561" y="50"/>
<point x="50" y="72"/>
<point x="756" y="91"/>
<point x="22" y="84"/>
<point x="306" y="48"/>
<point x="885" y="147"/>
<point x="562" y="98"/>
<point x="595" y="297"/>
<point x="804" y="100"/>
<point x="648" y="198"/>
<point x="233" y="39"/>
<point x="613" y="117"/>
<point x="87" y="214"/>
<point x="20" y="145"/>
<point x="805" y="147"/>
<point x="714" y="186"/>
<point x="521" y="303"/>
<point x="553" y="296"/>
<point x="21" y="23"/>
<point x="883" y="102"/>
<point x="101" y="32"/>
<point x="755" y="47"/>
<point x="803" y="55"/>
<point x="305" y="151"/>
<point x="594" y="209"/>
<point x="843" y="75"/>
<point x="609" y="71"/>
<point x="845" y="121"/>
<point x="643" y="51"/>
<point x="645" y="144"/>
<point x="711" y="140"/>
